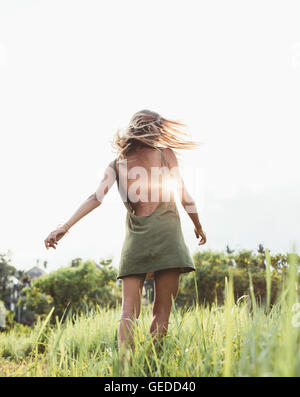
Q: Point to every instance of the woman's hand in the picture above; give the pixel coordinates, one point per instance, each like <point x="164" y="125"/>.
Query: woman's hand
<point x="55" y="236"/>
<point x="200" y="233"/>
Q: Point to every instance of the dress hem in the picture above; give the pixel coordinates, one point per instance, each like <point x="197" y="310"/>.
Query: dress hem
<point x="150" y="274"/>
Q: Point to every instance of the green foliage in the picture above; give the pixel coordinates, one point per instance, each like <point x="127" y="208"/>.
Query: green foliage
<point x="205" y="340"/>
<point x="35" y="300"/>
<point x="213" y="267"/>
<point x="6" y="270"/>
<point x="79" y="287"/>
<point x="9" y="318"/>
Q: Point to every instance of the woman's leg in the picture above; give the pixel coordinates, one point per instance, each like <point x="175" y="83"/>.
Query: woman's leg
<point x="131" y="304"/>
<point x="166" y="283"/>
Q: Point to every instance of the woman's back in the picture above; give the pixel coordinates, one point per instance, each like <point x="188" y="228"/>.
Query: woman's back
<point x="145" y="180"/>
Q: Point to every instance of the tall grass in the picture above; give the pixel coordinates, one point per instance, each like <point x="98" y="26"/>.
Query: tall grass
<point x="241" y="338"/>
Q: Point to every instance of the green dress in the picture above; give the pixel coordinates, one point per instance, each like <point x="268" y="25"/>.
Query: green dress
<point x="154" y="242"/>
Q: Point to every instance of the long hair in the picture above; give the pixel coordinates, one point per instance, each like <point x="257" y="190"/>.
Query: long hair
<point x="147" y="128"/>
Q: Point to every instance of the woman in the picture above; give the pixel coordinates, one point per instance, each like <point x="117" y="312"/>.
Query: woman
<point x="154" y="245"/>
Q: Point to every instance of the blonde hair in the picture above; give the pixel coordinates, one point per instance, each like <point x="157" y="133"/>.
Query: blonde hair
<point x="147" y="128"/>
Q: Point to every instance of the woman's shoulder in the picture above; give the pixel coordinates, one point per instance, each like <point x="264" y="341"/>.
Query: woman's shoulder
<point x="170" y="157"/>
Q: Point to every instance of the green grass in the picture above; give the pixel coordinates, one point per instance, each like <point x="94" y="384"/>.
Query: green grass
<point x="237" y="339"/>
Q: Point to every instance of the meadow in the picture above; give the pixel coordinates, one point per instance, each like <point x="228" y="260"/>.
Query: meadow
<point x="240" y="338"/>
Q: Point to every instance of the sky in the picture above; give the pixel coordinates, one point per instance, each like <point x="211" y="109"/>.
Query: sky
<point x="73" y="72"/>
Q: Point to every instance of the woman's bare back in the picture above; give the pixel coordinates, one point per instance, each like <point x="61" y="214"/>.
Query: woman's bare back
<point x="146" y="184"/>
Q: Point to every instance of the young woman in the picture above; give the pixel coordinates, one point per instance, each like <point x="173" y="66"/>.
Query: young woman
<point x="154" y="245"/>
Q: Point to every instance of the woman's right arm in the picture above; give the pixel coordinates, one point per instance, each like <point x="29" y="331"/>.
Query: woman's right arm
<point x="186" y="199"/>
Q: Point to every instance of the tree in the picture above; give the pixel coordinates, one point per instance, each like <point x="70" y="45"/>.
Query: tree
<point x="228" y="250"/>
<point x="6" y="271"/>
<point x="212" y="268"/>
<point x="76" y="288"/>
<point x="261" y="249"/>
<point x="76" y="262"/>
<point x="149" y="289"/>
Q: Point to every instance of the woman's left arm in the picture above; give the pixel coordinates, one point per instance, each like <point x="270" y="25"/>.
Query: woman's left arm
<point x="86" y="207"/>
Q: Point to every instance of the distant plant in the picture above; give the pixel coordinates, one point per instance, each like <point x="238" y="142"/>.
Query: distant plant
<point x="207" y="284"/>
<point x="78" y="288"/>
<point x="6" y="271"/>
<point x="228" y="250"/>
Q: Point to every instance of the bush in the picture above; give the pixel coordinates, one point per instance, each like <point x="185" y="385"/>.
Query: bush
<point x="76" y="288"/>
<point x="208" y="282"/>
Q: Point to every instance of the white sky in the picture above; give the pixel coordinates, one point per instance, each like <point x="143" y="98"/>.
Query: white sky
<point x="72" y="72"/>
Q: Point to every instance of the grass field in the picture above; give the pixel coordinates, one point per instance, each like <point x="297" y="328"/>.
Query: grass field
<point x="237" y="339"/>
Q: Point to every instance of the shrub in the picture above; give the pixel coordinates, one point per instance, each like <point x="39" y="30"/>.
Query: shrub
<point x="76" y="288"/>
<point x="208" y="282"/>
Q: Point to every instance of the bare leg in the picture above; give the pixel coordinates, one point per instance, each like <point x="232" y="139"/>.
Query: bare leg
<point x="166" y="283"/>
<point x="131" y="304"/>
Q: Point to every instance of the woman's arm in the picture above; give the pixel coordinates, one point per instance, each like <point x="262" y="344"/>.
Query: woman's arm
<point x="86" y="207"/>
<point x="186" y="199"/>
